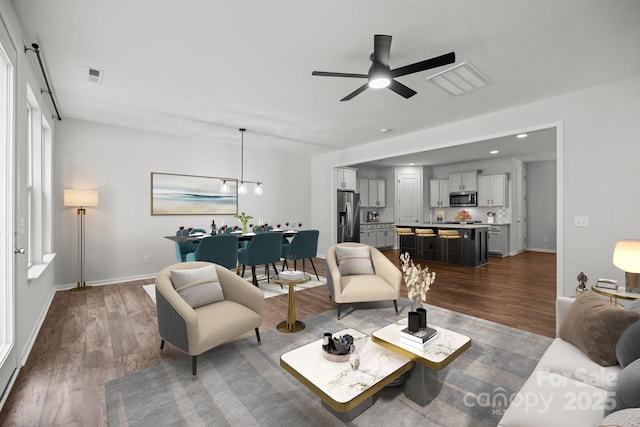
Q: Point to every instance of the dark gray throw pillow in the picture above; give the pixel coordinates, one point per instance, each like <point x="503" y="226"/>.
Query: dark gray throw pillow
<point x="628" y="346"/>
<point x="625" y="391"/>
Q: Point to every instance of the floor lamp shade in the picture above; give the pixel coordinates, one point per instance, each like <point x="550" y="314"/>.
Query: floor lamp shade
<point x="81" y="199"/>
<point x="626" y="256"/>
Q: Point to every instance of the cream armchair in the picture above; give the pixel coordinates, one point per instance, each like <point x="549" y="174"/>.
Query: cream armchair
<point x="383" y="283"/>
<point x="196" y="330"/>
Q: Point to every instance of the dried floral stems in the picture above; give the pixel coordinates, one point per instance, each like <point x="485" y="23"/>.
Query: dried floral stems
<point x="417" y="279"/>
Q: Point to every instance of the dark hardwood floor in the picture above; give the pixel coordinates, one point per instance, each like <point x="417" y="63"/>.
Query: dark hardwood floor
<point x="89" y="338"/>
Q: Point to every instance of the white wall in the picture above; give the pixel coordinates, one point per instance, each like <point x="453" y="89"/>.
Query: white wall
<point x="118" y="163"/>
<point x="541" y="205"/>
<point x="597" y="168"/>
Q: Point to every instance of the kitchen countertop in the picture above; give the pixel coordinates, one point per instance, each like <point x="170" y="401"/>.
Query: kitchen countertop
<point x="376" y="222"/>
<point x="444" y="225"/>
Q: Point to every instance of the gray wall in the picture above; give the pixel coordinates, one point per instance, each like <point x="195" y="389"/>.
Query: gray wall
<point x="541" y="206"/>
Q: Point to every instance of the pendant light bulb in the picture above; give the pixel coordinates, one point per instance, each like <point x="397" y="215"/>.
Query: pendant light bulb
<point x="258" y="190"/>
<point x="242" y="189"/>
<point x="224" y="189"/>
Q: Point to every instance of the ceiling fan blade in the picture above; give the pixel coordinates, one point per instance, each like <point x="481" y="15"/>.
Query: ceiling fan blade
<point x="438" y="61"/>
<point x="332" y="74"/>
<point x="401" y="89"/>
<point x="381" y="49"/>
<point x="356" y="92"/>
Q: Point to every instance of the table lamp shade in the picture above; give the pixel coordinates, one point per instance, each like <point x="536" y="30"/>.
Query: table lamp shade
<point x="80" y="197"/>
<point x="626" y="256"/>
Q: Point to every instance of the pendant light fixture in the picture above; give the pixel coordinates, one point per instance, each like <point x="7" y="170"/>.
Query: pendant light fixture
<point x="242" y="184"/>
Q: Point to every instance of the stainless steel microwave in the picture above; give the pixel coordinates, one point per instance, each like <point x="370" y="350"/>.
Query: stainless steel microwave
<point x="461" y="199"/>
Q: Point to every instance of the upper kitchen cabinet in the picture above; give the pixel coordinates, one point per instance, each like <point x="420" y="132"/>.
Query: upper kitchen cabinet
<point x="465" y="181"/>
<point x="492" y="190"/>
<point x="345" y="179"/>
<point x="363" y="189"/>
<point x="439" y="193"/>
<point x="377" y="193"/>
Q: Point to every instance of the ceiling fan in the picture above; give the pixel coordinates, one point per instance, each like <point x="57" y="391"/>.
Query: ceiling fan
<point x="380" y="75"/>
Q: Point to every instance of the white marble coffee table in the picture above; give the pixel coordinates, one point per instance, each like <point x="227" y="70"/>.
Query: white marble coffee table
<point x="345" y="391"/>
<point x="424" y="381"/>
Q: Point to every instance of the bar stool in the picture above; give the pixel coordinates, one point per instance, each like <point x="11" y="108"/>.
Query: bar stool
<point x="406" y="241"/>
<point x="445" y="236"/>
<point x="426" y="248"/>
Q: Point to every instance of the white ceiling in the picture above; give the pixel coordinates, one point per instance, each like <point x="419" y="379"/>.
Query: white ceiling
<point x="204" y="68"/>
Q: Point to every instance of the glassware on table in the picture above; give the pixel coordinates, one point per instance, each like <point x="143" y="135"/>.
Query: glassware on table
<point x="278" y="226"/>
<point x="190" y="229"/>
<point x="181" y="227"/>
<point x="299" y="226"/>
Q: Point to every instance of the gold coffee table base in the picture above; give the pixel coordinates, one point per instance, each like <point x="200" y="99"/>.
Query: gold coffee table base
<point x="297" y="327"/>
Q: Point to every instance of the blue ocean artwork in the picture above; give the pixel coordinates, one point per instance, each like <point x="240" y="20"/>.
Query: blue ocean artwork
<point x="185" y="194"/>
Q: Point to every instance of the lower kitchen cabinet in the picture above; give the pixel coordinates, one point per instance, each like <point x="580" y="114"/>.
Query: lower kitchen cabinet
<point x="378" y="235"/>
<point x="499" y="240"/>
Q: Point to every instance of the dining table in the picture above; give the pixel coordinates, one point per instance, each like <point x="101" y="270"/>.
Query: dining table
<point x="196" y="237"/>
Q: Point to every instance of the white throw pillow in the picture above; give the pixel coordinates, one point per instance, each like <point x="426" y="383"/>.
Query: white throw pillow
<point x="354" y="260"/>
<point x="198" y="286"/>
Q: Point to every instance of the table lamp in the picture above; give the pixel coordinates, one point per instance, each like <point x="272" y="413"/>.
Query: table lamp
<point x="81" y="199"/>
<point x="626" y="256"/>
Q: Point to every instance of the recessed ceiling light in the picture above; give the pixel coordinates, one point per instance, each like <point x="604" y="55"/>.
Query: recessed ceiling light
<point x="521" y="135"/>
<point x="384" y="130"/>
<point x="493" y="152"/>
<point x="411" y="164"/>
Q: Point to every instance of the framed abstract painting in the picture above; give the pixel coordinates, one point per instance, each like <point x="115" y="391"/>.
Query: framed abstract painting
<point x="173" y="194"/>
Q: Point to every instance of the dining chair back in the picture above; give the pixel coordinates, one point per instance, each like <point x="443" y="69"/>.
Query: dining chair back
<point x="184" y="248"/>
<point x="263" y="248"/>
<point x="304" y="245"/>
<point x="222" y="250"/>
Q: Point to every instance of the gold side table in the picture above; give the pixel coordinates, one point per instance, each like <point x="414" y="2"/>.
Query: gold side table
<point x="291" y="324"/>
<point x="615" y="294"/>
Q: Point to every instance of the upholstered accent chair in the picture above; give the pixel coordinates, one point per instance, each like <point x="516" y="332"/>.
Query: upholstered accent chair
<point x="189" y="319"/>
<point x="361" y="273"/>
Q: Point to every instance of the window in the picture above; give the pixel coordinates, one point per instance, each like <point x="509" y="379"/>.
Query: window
<point x="38" y="185"/>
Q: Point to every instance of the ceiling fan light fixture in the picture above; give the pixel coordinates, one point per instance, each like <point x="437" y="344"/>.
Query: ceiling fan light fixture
<point x="379" y="82"/>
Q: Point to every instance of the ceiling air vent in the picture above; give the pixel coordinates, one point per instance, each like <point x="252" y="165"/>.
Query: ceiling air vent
<point x="460" y="79"/>
<point x="95" y="75"/>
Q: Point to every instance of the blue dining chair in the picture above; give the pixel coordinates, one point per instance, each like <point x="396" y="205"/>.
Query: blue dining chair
<point x="222" y="250"/>
<point x="304" y="245"/>
<point x="263" y="248"/>
<point x="184" y="248"/>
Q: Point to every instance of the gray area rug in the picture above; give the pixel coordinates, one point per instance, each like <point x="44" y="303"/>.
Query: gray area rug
<point x="242" y="384"/>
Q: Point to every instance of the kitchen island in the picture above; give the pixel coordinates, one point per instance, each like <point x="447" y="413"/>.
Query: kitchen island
<point x="469" y="249"/>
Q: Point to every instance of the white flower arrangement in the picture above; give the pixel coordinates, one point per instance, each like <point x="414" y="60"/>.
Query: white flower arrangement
<point x="417" y="279"/>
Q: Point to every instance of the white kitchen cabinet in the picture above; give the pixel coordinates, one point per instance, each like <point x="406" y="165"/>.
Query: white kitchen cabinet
<point x="363" y="189"/>
<point x="377" y="193"/>
<point x="465" y="181"/>
<point x="345" y="179"/>
<point x="498" y="240"/>
<point x="389" y="235"/>
<point x="492" y="190"/>
<point x="380" y="229"/>
<point x="439" y="193"/>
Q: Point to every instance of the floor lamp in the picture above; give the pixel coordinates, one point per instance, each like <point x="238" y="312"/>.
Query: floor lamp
<point x="81" y="199"/>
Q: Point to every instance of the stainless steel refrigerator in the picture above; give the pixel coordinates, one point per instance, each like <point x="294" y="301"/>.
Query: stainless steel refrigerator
<point x="348" y="216"/>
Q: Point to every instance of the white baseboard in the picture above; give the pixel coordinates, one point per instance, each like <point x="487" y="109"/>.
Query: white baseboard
<point x="67" y="286"/>
<point x="552" y="251"/>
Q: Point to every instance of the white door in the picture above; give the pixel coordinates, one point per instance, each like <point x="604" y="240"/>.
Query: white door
<point x="409" y="200"/>
<point x="521" y="210"/>
<point x="8" y="356"/>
